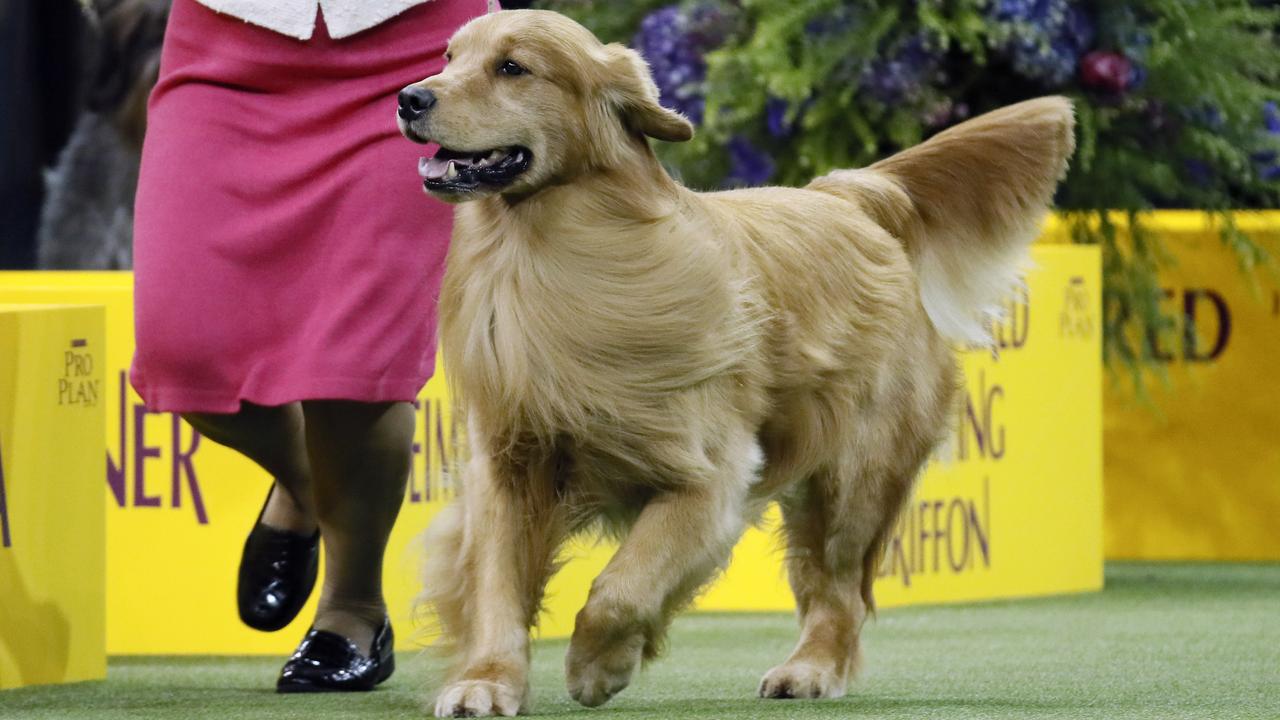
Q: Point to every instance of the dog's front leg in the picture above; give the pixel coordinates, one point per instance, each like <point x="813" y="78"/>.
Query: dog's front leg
<point x="510" y="532"/>
<point x="679" y="541"/>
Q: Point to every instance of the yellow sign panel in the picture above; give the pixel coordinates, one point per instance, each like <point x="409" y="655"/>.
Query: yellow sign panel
<point x="1193" y="471"/>
<point x="180" y="506"/>
<point x="52" y="533"/>
<point x="1016" y="512"/>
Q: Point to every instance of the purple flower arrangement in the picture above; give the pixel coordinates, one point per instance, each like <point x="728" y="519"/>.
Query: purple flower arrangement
<point x="748" y="165"/>
<point x="903" y="72"/>
<point x="1268" y="161"/>
<point x="674" y="40"/>
<point x="1044" y="40"/>
<point x="1095" y="49"/>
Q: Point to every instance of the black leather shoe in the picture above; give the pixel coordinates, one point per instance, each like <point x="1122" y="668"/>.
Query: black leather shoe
<point x="328" y="662"/>
<point x="277" y="573"/>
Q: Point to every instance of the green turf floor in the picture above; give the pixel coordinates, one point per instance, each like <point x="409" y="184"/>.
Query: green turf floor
<point x="1161" y="642"/>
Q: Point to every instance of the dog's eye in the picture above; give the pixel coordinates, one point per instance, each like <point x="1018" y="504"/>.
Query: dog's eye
<point x="509" y="67"/>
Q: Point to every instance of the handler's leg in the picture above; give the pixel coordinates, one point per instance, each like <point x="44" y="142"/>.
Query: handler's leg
<point x="274" y="438"/>
<point x="360" y="455"/>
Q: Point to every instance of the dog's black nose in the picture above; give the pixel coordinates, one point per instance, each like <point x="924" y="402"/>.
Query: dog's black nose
<point x="415" y="101"/>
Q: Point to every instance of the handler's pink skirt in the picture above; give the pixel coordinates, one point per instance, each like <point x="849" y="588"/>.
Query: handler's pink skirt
<point x="284" y="249"/>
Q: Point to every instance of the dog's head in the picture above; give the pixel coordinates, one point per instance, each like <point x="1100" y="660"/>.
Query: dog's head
<point x="528" y="99"/>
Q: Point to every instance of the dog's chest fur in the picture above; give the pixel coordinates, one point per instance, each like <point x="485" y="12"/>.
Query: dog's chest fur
<point x="590" y="338"/>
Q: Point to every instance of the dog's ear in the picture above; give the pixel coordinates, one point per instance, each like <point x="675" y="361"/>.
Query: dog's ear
<point x="631" y="91"/>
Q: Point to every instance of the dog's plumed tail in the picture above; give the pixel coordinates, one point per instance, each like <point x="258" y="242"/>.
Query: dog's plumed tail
<point x="967" y="204"/>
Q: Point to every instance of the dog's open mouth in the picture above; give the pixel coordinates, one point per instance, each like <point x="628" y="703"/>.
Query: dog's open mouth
<point x="458" y="171"/>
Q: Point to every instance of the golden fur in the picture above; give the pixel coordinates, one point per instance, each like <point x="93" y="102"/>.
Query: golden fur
<point x="659" y="363"/>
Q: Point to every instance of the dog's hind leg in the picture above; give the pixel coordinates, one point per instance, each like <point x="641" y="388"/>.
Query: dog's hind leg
<point x="834" y="523"/>
<point x="678" y="543"/>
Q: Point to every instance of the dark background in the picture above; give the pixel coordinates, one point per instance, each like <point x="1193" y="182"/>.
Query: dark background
<point x="42" y="63"/>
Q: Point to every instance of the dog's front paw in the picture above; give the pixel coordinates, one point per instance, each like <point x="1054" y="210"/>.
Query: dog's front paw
<point x="594" y="678"/>
<point x="478" y="698"/>
<point x="801" y="680"/>
<point x="602" y="658"/>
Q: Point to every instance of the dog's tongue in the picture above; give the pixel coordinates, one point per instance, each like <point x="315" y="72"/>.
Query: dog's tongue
<point x="432" y="168"/>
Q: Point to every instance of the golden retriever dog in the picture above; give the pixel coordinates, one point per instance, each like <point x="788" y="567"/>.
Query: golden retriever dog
<point x="660" y="364"/>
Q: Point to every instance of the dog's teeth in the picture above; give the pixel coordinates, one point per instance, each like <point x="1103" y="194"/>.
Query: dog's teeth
<point x="451" y="172"/>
